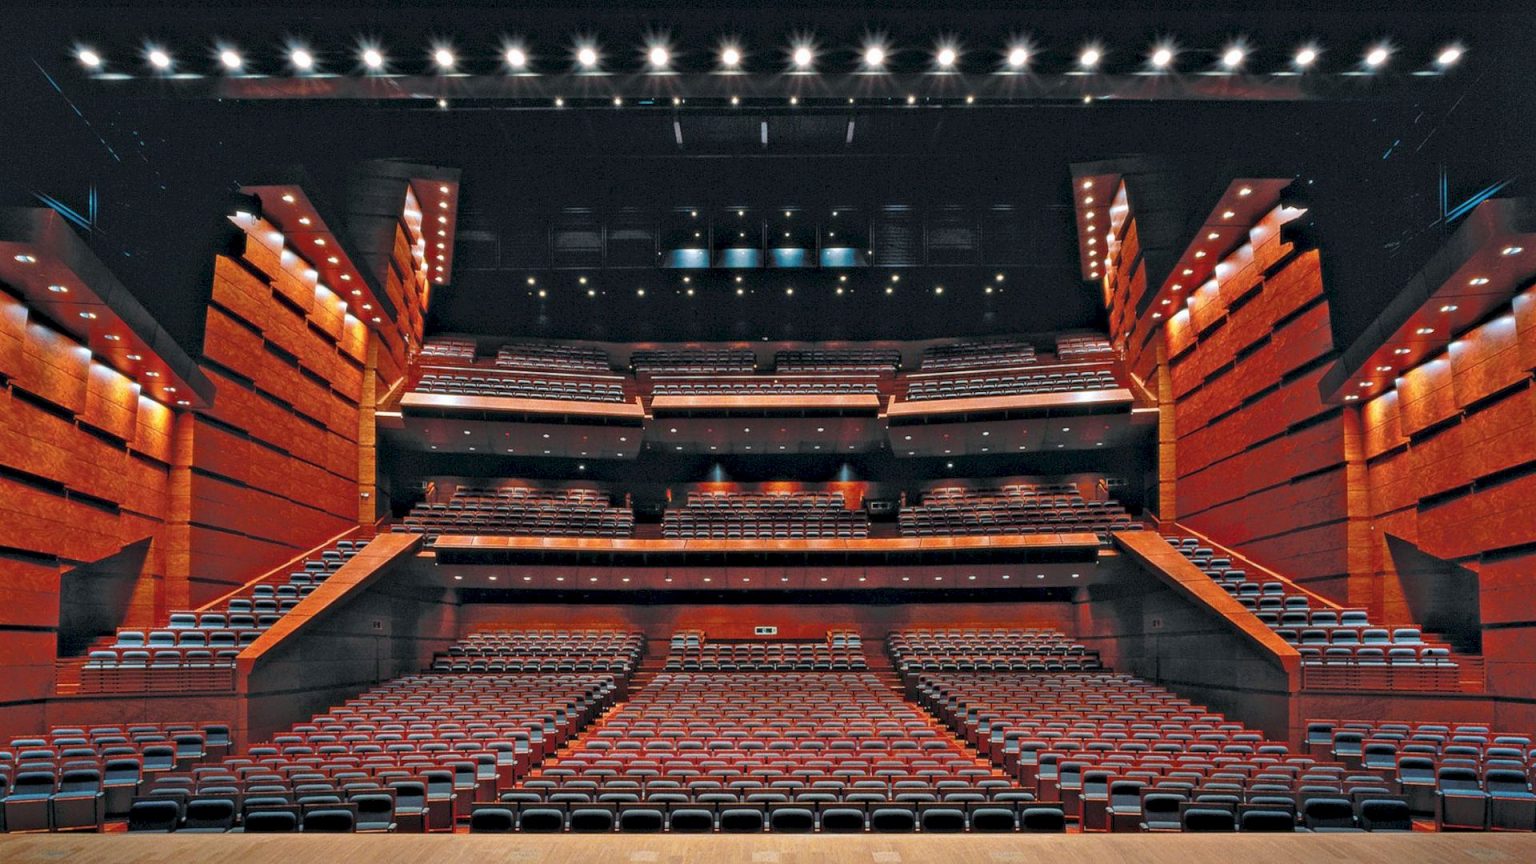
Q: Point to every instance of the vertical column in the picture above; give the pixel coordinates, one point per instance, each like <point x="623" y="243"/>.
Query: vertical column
<point x="1364" y="551"/>
<point x="367" y="439"/>
<point x="1167" y="438"/>
<point x="174" y="588"/>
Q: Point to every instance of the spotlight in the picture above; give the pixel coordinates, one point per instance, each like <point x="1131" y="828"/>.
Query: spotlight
<point x="88" y="58"/>
<point x="373" y="59"/>
<point x="1377" y="57"/>
<point x="658" y="56"/>
<point x="1306" y="56"/>
<point x="587" y="57"/>
<point x="874" y="56"/>
<point x="444" y="58"/>
<point x="231" y="59"/>
<point x="804" y="57"/>
<point x="1090" y="57"/>
<point x="1449" y="55"/>
<point x="730" y="57"/>
<point x="159" y="59"/>
<point x="1162" y="57"/>
<point x="1018" y="57"/>
<point x="1233" y="57"/>
<point x="301" y="59"/>
<point x="947" y="57"/>
<point x="516" y="58"/>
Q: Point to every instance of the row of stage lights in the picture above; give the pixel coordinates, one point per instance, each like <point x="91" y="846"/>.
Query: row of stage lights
<point x="840" y="288"/>
<point x="801" y="56"/>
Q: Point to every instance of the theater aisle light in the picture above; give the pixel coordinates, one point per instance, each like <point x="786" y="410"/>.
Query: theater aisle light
<point x="301" y="59"/>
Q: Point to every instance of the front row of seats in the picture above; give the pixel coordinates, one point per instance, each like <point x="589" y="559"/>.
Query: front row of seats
<point x="494" y="819"/>
<point x="361" y="813"/>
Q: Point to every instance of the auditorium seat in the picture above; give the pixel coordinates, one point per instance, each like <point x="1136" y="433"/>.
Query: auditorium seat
<point x="520" y="510"/>
<point x="764" y="515"/>
<point x="208" y="816"/>
<point x="492" y="820"/>
<point x="155" y="816"/>
<point x="978" y="354"/>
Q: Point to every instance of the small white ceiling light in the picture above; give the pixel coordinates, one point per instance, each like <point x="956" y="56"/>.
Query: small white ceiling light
<point x="1233" y="56"/>
<point x="443" y="57"/>
<point x="159" y="59"/>
<point x="730" y="56"/>
<point x="1377" y="57"/>
<point x="231" y="60"/>
<point x="586" y="55"/>
<point x="658" y="56"/>
<point x="1090" y="57"/>
<point x="803" y="56"/>
<point x="88" y="58"/>
<point x="1162" y="56"/>
<point x="874" y="55"/>
<point x="1448" y="56"/>
<point x="373" y="59"/>
<point x="301" y="59"/>
<point x="1306" y="55"/>
<point x="1018" y="57"/>
<point x="516" y="57"/>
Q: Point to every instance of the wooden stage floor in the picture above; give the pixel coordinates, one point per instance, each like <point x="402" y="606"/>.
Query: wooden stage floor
<point x="770" y="849"/>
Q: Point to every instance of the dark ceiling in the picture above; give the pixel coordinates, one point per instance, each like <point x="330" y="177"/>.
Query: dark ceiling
<point x="147" y="167"/>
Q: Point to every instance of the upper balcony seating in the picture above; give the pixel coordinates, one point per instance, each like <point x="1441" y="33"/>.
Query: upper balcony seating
<point x="1467" y="775"/>
<point x="520" y="510"/>
<point x="552" y="358"/>
<point x="765" y="515"/>
<point x="839" y="360"/>
<point x="474" y="382"/>
<point x="1012" y="509"/>
<point x="1042" y="380"/>
<point x="1324" y="637"/>
<point x="502" y="650"/>
<point x="449" y="351"/>
<point x="765" y="386"/>
<point x="988" y="650"/>
<point x="694" y="361"/>
<point x="77" y="777"/>
<point x="1082" y="347"/>
<point x="978" y="354"/>
<point x="691" y="653"/>
<point x="211" y="639"/>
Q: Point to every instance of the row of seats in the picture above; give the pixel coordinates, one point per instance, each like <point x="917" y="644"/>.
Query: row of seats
<point x="988" y="650"/>
<point x="522" y="511"/>
<point x="553" y="358"/>
<point x="1013" y="509"/>
<point x="1011" y="384"/>
<point x="769" y="515"/>
<point x="78" y="777"/>
<point x="1468" y="776"/>
<point x="449" y="350"/>
<point x="779" y="818"/>
<point x="501" y="650"/>
<point x="693" y="361"/>
<point x="689" y="656"/>
<point x="839" y="360"/>
<point x="1082" y="346"/>
<point x="978" y="355"/>
<point x="1323" y="636"/>
<point x="519" y="387"/>
<point x="765" y="386"/>
<point x="212" y="639"/>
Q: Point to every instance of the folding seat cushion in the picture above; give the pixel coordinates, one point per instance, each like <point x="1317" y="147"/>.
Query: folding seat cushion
<point x="993" y="819"/>
<point x="375" y="811"/>
<point x="1511" y="804"/>
<point x="641" y="820"/>
<point x="1160" y="811"/>
<point x="1328" y="815"/>
<point x="79" y="801"/>
<point x="591" y="820"/>
<point x="842" y="820"/>
<point x="271" y="822"/>
<point x="1197" y="819"/>
<point x="1384" y="814"/>
<point x="792" y="820"/>
<point x="208" y="816"/>
<point x="1461" y="799"/>
<point x="152" y="815"/>
<point x="941" y="820"/>
<point x="689" y="820"/>
<point x="28" y="807"/>
<point x="1256" y="820"/>
<point x="1043" y="820"/>
<point x="492" y="820"/>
